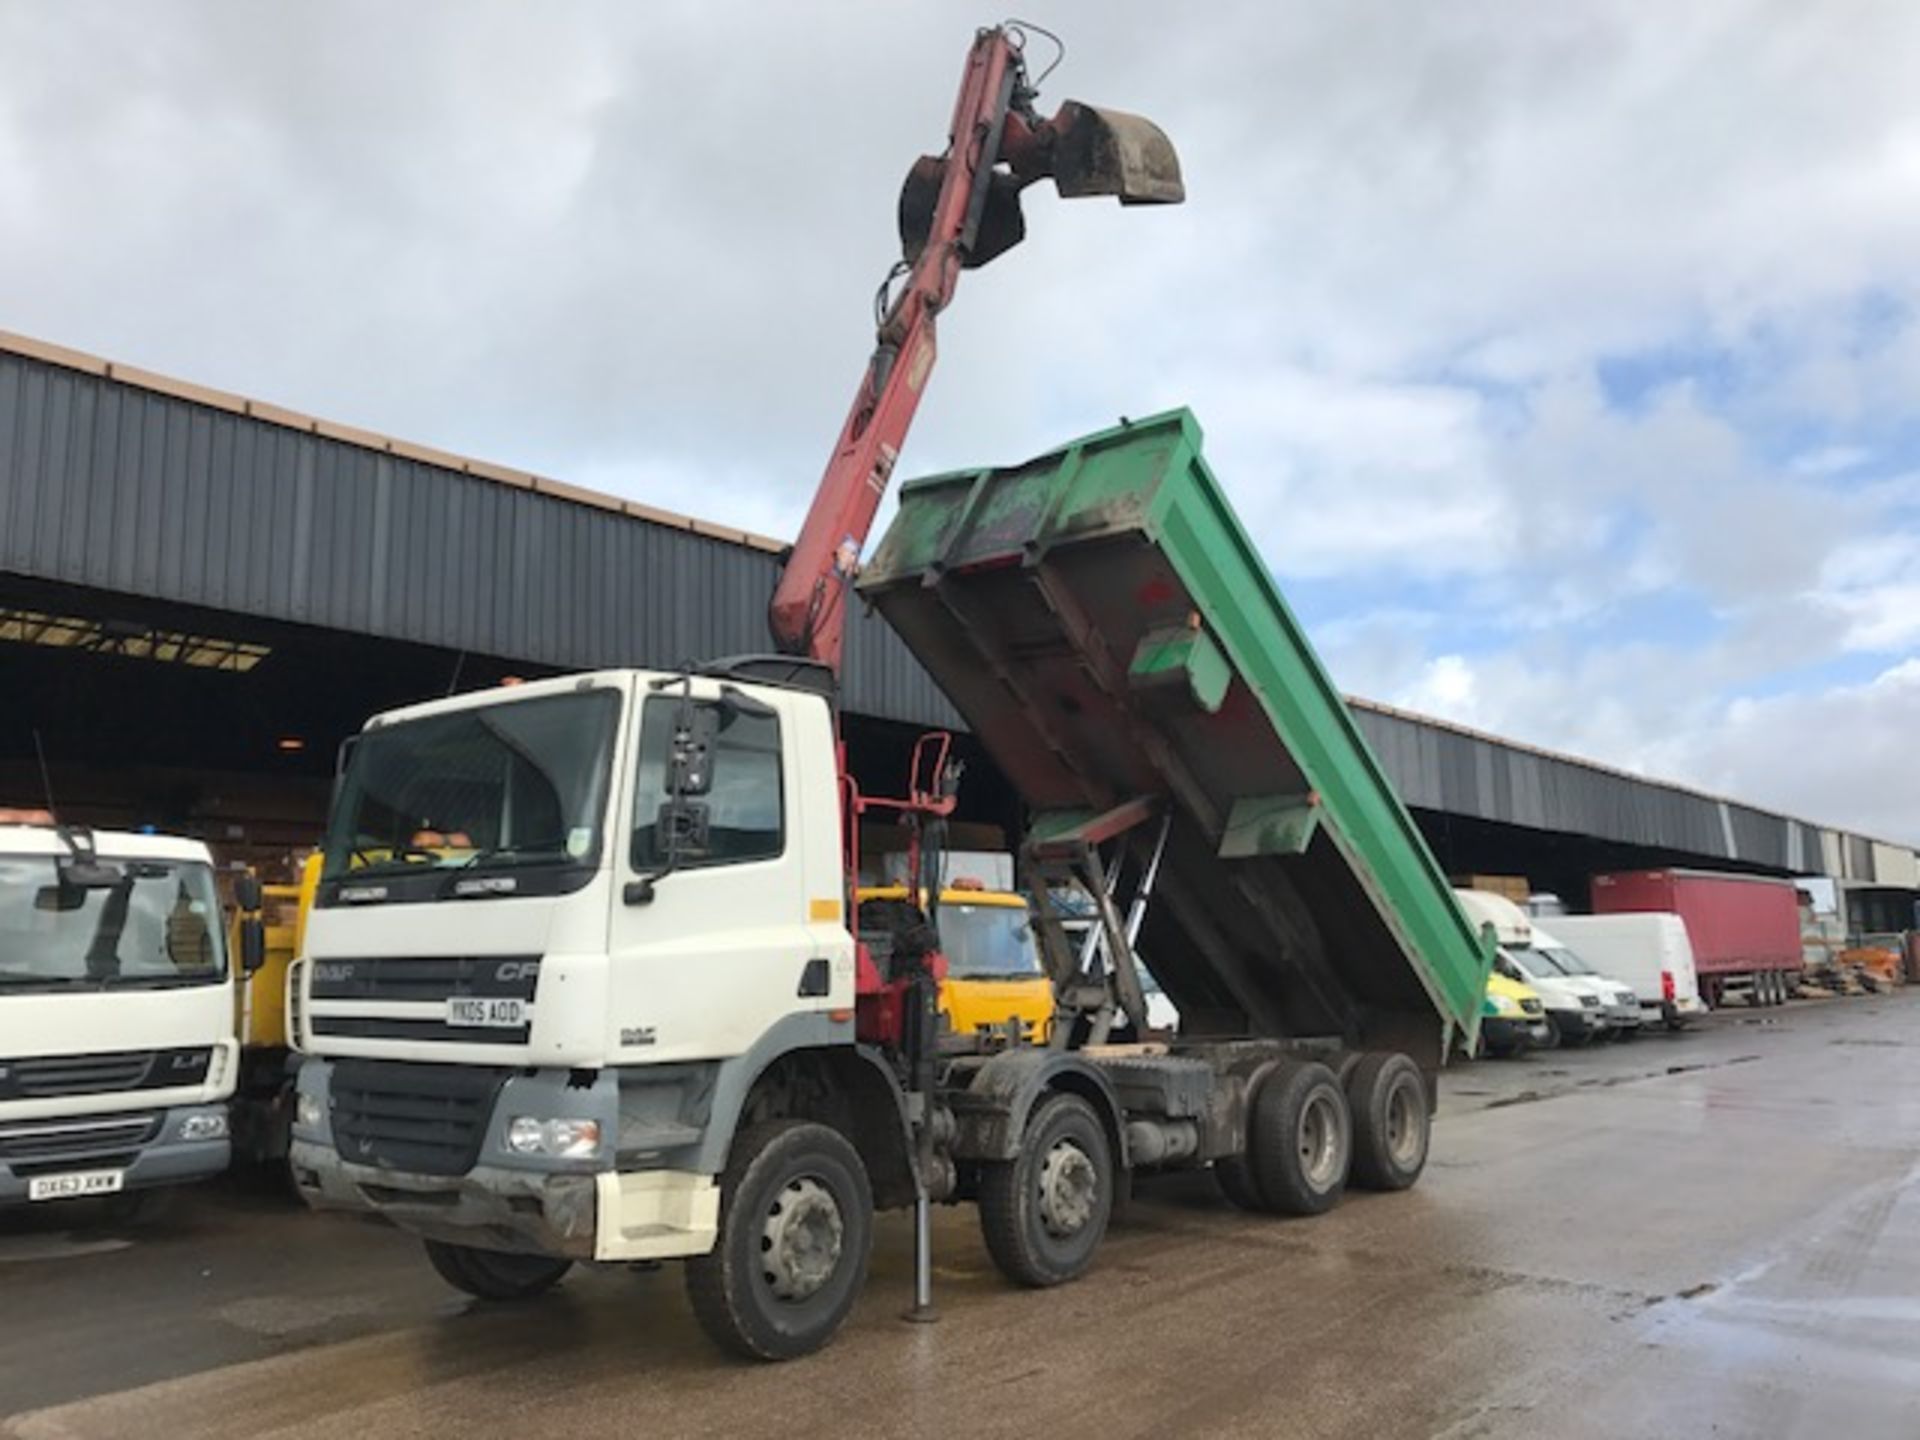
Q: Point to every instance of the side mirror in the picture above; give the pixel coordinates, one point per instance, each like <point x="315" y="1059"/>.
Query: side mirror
<point x="246" y="892"/>
<point x="59" y="899"/>
<point x="690" y="763"/>
<point x="682" y="827"/>
<point x="253" y="942"/>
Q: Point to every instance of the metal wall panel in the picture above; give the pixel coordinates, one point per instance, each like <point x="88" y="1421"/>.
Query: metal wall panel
<point x="112" y="486"/>
<point x="109" y="485"/>
<point x="1436" y="767"/>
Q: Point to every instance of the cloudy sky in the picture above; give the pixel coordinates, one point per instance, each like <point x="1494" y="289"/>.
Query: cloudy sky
<point x="1561" y="358"/>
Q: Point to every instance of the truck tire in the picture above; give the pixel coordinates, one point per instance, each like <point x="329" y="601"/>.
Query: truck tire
<point x="1236" y="1183"/>
<point x="1387" y="1098"/>
<point x="1300" y="1139"/>
<point x="796" y="1230"/>
<point x="1044" y="1212"/>
<point x="494" y="1274"/>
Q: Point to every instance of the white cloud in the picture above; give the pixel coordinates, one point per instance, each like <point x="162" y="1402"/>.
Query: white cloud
<point x="633" y="247"/>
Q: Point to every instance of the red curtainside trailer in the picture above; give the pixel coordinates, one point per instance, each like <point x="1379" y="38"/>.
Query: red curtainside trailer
<point x="1744" y="929"/>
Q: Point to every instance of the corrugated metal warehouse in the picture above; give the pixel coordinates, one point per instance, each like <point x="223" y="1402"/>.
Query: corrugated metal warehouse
<point x="201" y="594"/>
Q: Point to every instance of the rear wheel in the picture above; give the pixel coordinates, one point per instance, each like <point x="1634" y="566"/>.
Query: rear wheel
<point x="493" y="1274"/>
<point x="1387" y="1098"/>
<point x="1237" y="1183"/>
<point x="1554" y="1038"/>
<point x="796" y="1228"/>
<point x="1044" y="1213"/>
<point x="1300" y="1139"/>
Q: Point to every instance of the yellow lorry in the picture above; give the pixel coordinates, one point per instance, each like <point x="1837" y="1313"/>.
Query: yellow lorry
<point x="993" y="964"/>
<point x="263" y="1099"/>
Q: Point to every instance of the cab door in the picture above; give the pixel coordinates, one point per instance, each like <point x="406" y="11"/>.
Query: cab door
<point x="726" y="946"/>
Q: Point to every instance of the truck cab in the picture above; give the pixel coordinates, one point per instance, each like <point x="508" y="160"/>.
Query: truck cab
<point x="994" y="978"/>
<point x="541" y="976"/>
<point x="117" y="1043"/>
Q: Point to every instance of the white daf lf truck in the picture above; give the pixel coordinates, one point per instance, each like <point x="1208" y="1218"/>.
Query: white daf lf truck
<point x="117" y="1042"/>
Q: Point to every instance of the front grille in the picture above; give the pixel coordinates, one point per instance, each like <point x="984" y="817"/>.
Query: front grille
<point x="1530" y="1006"/>
<point x="45" y="1077"/>
<point x="98" y="1142"/>
<point x="425" y="977"/>
<point x="384" y="1027"/>
<point x="429" y="1119"/>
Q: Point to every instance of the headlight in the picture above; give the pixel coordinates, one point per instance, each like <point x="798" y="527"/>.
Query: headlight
<point x="308" y="1113"/>
<point x="1495" y="1006"/>
<point x="565" y="1139"/>
<point x="205" y="1126"/>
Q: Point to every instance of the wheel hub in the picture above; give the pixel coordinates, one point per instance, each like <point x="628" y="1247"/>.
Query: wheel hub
<point x="1319" y="1142"/>
<point x="1068" y="1187"/>
<point x="801" y="1240"/>
<point x="1403" y="1127"/>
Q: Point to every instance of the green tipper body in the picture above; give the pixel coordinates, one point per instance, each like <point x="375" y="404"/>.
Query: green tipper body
<point x="1108" y="630"/>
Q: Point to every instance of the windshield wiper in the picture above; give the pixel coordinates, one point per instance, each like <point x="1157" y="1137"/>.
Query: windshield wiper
<point x="15" y="977"/>
<point x="153" y="981"/>
<point x="459" y="882"/>
<point x="512" y="852"/>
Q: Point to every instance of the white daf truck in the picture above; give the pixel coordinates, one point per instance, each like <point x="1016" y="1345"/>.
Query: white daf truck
<point x="117" y="1043"/>
<point x="590" y="976"/>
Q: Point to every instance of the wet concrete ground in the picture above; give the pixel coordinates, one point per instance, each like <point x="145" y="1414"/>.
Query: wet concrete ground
<point x="1711" y="1234"/>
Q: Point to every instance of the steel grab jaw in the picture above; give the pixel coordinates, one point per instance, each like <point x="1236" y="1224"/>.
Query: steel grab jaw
<point x="1084" y="149"/>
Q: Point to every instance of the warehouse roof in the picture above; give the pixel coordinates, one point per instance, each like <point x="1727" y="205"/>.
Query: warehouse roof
<point x="159" y="384"/>
<point x="568" y="588"/>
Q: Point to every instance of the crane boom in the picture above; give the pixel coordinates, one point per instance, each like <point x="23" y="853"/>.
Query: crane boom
<point x="957" y="211"/>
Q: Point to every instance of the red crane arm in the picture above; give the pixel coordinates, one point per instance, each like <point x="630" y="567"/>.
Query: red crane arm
<point x="808" y="613"/>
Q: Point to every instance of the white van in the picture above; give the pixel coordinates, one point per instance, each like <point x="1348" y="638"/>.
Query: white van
<point x="1622" y="1004"/>
<point x="1650" y="952"/>
<point x="1576" y="1006"/>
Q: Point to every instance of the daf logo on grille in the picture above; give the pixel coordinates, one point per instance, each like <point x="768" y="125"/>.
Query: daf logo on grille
<point x="332" y="970"/>
<point x="514" y="970"/>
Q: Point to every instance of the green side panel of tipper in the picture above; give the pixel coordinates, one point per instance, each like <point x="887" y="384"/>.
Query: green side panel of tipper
<point x="1184" y="657"/>
<point x="1013" y="585"/>
<point x="1270" y="825"/>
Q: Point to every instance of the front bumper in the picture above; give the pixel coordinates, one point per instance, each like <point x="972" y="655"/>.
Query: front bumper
<point x="1624" y="1017"/>
<point x="1515" y="1032"/>
<point x="490" y="1206"/>
<point x="496" y="1198"/>
<point x="37" y="1148"/>
<point x="1579" y="1024"/>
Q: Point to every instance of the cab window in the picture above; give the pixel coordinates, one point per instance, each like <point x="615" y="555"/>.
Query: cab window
<point x="744" y="811"/>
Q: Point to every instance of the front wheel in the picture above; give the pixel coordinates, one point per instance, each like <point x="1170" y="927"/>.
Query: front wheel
<point x="1044" y="1213"/>
<point x="494" y="1274"/>
<point x="796" y="1229"/>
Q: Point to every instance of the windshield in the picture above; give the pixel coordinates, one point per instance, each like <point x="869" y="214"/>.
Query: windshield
<point x="988" y="941"/>
<point x="1532" y="964"/>
<point x="158" y="925"/>
<point x="1566" y="961"/>
<point x="518" y="783"/>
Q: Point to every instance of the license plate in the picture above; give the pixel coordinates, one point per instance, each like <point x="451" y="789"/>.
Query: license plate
<point x="78" y="1183"/>
<point x="494" y="1014"/>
